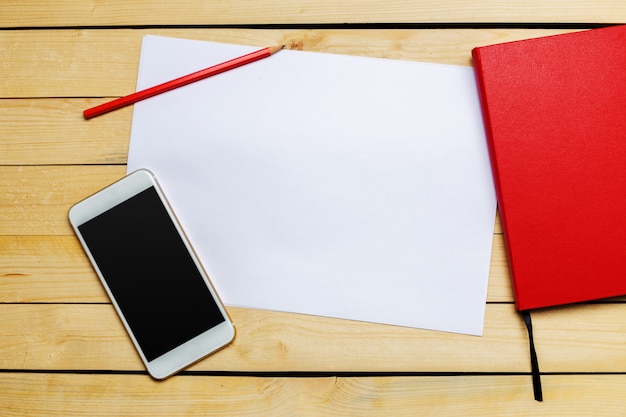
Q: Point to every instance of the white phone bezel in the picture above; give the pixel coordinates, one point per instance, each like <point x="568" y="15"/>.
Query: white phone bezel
<point x="196" y="348"/>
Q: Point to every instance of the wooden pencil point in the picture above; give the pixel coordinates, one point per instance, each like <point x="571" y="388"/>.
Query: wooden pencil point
<point x="274" y="49"/>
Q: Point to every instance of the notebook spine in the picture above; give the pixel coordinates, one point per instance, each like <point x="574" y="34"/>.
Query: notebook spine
<point x="482" y="95"/>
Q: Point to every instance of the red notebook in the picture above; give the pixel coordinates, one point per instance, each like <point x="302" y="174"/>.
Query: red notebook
<point x="555" y="117"/>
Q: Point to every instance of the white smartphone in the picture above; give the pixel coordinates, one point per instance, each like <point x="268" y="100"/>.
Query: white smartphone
<point x="151" y="274"/>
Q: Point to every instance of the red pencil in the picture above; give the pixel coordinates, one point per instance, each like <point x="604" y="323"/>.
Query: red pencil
<point x="179" y="82"/>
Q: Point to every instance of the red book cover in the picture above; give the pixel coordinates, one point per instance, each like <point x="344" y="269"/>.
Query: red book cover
<point x="555" y="117"/>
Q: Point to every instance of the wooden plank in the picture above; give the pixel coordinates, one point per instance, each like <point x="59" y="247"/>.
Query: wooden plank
<point x="580" y="338"/>
<point x="53" y="131"/>
<point x="45" y="269"/>
<point x="500" y="288"/>
<point x="55" y="269"/>
<point x="138" y="395"/>
<point x="35" y="200"/>
<point x="103" y="63"/>
<point x="17" y="13"/>
<point x="90" y="337"/>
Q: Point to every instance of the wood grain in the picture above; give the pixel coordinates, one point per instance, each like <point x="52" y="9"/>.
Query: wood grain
<point x="90" y="337"/>
<point x="582" y="338"/>
<point x="53" y="132"/>
<point x="35" y="13"/>
<point x="138" y="395"/>
<point x="47" y="269"/>
<point x="103" y="63"/>
<point x="34" y="200"/>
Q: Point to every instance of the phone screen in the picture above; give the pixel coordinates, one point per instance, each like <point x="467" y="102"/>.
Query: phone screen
<point x="151" y="274"/>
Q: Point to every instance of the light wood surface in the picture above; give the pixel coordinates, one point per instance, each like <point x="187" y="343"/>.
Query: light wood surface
<point x="20" y="13"/>
<point x="64" y="351"/>
<point x="68" y="395"/>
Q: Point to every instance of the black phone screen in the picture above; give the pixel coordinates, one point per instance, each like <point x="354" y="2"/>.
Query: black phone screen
<point x="151" y="274"/>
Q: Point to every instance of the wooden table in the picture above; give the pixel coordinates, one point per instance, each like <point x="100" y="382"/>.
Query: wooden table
<point x="64" y="352"/>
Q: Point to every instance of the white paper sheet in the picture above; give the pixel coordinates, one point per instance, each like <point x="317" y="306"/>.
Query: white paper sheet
<point x="325" y="184"/>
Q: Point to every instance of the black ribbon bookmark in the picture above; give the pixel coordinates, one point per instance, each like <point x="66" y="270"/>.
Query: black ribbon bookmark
<point x="533" y="358"/>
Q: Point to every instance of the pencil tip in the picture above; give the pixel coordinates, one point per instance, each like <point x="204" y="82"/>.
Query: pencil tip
<point x="276" y="48"/>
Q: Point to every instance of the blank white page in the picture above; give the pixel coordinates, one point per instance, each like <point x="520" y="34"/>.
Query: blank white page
<point x="325" y="184"/>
